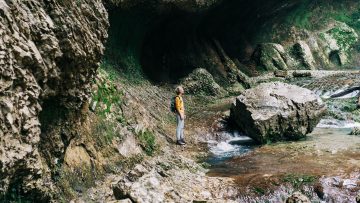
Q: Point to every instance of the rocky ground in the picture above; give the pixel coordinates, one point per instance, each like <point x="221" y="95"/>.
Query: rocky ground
<point x="53" y="148"/>
<point x="169" y="173"/>
<point x="172" y="175"/>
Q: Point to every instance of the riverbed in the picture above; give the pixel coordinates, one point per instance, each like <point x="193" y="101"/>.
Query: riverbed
<point x="271" y="172"/>
<point x="325" y="166"/>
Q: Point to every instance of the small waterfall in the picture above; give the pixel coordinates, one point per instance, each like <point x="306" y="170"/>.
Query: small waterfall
<point x="233" y="144"/>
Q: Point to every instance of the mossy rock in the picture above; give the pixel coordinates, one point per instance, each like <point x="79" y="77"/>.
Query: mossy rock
<point x="271" y="57"/>
<point x="339" y="41"/>
<point x="200" y="81"/>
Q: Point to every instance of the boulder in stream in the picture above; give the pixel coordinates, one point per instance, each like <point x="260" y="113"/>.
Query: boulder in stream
<point x="277" y="111"/>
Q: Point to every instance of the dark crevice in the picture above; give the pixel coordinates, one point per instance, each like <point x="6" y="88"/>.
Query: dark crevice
<point x="335" y="58"/>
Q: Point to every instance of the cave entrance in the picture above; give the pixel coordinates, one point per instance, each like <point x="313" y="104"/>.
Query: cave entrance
<point x="170" y="49"/>
<point x="166" y="44"/>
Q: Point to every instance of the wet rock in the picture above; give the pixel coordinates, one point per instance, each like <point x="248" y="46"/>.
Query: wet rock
<point x="271" y="56"/>
<point x="200" y="81"/>
<point x="277" y="111"/>
<point x="319" y="190"/>
<point x="297" y="197"/>
<point x="303" y="52"/>
<point x="355" y="131"/>
<point x="145" y="189"/>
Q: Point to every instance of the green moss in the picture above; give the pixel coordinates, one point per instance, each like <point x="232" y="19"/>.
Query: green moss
<point x="73" y="182"/>
<point x="147" y="141"/>
<point x="104" y="132"/>
<point x="299" y="180"/>
<point x="301" y="15"/>
<point x="344" y="37"/>
<point x="123" y="164"/>
<point x="343" y="109"/>
<point x="349" y="15"/>
<point x="259" y="190"/>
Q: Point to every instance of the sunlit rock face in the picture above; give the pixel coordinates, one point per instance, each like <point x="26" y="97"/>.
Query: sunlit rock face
<point x="48" y="50"/>
<point x="277" y="111"/>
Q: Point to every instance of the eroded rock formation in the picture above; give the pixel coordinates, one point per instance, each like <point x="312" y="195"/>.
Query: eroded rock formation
<point x="277" y="111"/>
<point x="48" y="50"/>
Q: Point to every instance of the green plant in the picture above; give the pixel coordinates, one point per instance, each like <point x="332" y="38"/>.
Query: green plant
<point x="147" y="141"/>
<point x="298" y="180"/>
<point x="104" y="132"/>
<point x="206" y="165"/>
<point x="108" y="95"/>
<point x="259" y="190"/>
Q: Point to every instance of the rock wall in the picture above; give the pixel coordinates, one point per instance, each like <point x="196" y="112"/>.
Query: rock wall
<point x="49" y="50"/>
<point x="172" y="40"/>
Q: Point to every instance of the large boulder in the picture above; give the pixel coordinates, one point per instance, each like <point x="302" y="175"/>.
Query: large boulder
<point x="277" y="111"/>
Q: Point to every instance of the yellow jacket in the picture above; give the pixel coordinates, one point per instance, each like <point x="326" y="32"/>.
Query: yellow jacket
<point x="179" y="105"/>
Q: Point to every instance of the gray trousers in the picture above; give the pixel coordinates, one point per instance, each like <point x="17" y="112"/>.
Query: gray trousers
<point x="180" y="127"/>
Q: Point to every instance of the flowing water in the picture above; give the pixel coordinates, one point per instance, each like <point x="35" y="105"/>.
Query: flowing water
<point x="325" y="166"/>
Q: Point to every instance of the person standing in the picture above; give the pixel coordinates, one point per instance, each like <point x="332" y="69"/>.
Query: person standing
<point x="180" y="115"/>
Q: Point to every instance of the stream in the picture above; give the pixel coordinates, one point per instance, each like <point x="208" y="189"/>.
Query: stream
<point x="324" y="166"/>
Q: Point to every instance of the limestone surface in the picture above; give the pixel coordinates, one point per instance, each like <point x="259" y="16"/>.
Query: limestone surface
<point x="48" y="50"/>
<point x="277" y="111"/>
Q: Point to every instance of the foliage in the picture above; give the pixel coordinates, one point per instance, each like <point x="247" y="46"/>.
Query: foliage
<point x="350" y="17"/>
<point x="299" y="180"/>
<point x="108" y="99"/>
<point x="344" y="37"/>
<point x="300" y="16"/>
<point x="104" y="132"/>
<point x="147" y="141"/>
<point x="259" y="190"/>
<point x="107" y="93"/>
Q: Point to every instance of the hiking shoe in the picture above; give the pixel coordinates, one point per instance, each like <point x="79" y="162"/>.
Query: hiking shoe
<point x="183" y="141"/>
<point x="179" y="142"/>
